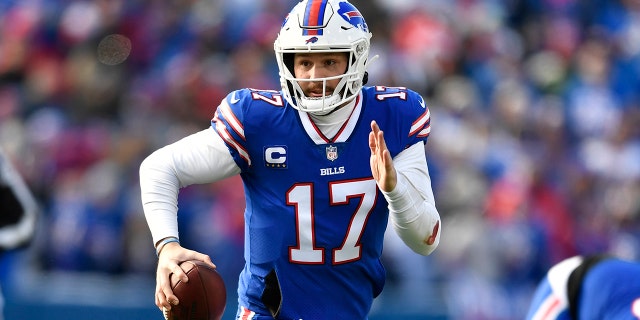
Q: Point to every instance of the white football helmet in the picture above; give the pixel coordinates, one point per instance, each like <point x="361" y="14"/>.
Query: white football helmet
<point x="323" y="26"/>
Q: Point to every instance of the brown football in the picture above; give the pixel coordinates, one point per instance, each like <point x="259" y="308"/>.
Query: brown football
<point x="203" y="297"/>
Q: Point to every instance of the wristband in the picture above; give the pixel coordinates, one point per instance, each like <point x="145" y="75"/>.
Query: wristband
<point x="164" y="242"/>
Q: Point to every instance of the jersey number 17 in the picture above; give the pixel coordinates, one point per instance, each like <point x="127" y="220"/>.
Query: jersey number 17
<point x="300" y="196"/>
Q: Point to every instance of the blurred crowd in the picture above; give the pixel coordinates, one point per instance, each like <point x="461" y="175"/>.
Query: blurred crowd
<point x="534" y="152"/>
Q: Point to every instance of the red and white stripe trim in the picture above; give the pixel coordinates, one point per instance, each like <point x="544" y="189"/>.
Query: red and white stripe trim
<point x="418" y="126"/>
<point x="549" y="309"/>
<point x="246" y="314"/>
<point x="231" y="119"/>
<point x="226" y="136"/>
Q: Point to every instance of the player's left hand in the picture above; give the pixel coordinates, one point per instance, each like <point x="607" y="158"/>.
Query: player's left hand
<point x="381" y="163"/>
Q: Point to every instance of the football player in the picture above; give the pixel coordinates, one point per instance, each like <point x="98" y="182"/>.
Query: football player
<point x="590" y="287"/>
<point x="19" y="207"/>
<point x="325" y="162"/>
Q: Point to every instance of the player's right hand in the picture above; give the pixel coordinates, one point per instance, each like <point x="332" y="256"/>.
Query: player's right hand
<point x="169" y="260"/>
<point x="381" y="162"/>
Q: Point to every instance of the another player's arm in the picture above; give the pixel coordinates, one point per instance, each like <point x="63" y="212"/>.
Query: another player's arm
<point x="200" y="158"/>
<point x="19" y="207"/>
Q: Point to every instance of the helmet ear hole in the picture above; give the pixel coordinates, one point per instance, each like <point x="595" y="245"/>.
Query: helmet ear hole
<point x="287" y="59"/>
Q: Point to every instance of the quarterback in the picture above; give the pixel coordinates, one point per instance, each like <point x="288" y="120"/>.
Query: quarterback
<point x="326" y="162"/>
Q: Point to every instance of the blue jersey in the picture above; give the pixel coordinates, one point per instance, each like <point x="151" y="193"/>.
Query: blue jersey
<point x="607" y="289"/>
<point x="611" y="290"/>
<point x="314" y="217"/>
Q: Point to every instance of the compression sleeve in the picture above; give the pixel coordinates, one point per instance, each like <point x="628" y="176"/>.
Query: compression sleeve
<point x="196" y="159"/>
<point x="412" y="208"/>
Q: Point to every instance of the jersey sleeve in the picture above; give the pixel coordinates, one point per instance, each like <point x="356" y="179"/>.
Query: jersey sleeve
<point x="420" y="117"/>
<point x="228" y="121"/>
<point x="402" y="114"/>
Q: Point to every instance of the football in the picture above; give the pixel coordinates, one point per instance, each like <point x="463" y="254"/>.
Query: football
<point x="203" y="297"/>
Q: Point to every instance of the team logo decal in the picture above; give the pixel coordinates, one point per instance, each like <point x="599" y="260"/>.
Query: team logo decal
<point x="349" y="13"/>
<point x="275" y="157"/>
<point x="332" y="153"/>
<point x="311" y="40"/>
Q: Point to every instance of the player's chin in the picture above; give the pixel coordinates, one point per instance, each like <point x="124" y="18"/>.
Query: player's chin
<point x="317" y="95"/>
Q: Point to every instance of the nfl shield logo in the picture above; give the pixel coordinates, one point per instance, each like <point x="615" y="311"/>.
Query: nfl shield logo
<point x="332" y="153"/>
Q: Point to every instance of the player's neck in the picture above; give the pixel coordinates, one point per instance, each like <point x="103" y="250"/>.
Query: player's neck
<point x="336" y="117"/>
<point x="331" y="123"/>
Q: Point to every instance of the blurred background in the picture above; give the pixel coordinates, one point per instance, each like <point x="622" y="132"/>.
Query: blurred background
<point x="534" y="151"/>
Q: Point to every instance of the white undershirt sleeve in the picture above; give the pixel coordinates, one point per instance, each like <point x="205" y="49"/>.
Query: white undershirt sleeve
<point x="199" y="158"/>
<point x="412" y="209"/>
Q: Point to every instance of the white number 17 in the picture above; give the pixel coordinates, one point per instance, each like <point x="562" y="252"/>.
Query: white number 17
<point x="301" y="197"/>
